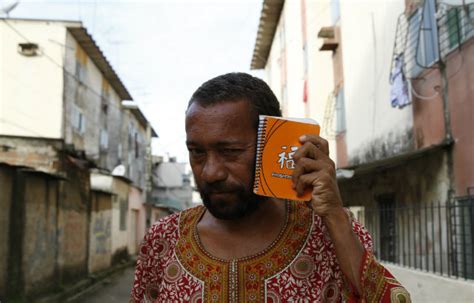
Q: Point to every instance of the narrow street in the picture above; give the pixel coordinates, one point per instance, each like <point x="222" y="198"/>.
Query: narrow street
<point x="116" y="290"/>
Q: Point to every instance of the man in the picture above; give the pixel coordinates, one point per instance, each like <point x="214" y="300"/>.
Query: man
<point x="240" y="247"/>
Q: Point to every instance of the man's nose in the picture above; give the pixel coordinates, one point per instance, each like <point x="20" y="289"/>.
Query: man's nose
<point x="214" y="170"/>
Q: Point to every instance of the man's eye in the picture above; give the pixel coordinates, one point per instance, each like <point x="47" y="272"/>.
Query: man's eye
<point x="195" y="152"/>
<point x="231" y="151"/>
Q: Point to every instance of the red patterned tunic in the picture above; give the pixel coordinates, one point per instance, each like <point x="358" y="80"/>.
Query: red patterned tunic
<point x="299" y="266"/>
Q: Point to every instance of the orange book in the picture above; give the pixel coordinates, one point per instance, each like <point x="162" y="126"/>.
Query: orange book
<point x="277" y="141"/>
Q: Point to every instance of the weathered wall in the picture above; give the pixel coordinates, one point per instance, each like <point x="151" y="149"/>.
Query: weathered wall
<point x="40" y="233"/>
<point x="428" y="117"/>
<point x="6" y="182"/>
<point x="429" y="122"/>
<point x="100" y="231"/>
<point x="100" y="105"/>
<point x="42" y="154"/>
<point x="137" y="220"/>
<point x="74" y="222"/>
<point x="460" y="70"/>
<point x="421" y="180"/>
<point x="119" y="213"/>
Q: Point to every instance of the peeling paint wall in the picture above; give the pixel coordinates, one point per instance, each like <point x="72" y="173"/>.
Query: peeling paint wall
<point x="74" y="222"/>
<point x="99" y="104"/>
<point x="40" y="237"/>
<point x="38" y="153"/>
<point x="100" y="232"/>
<point x="134" y="133"/>
<point x="391" y="144"/>
<point x="421" y="180"/>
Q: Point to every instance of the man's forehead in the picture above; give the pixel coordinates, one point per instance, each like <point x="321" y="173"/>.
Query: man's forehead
<point x="236" y="106"/>
<point x="222" y="142"/>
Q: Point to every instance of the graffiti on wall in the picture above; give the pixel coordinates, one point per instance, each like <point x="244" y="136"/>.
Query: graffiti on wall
<point x="101" y="231"/>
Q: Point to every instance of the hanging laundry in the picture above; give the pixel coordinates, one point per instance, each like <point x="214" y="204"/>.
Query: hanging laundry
<point x="399" y="91"/>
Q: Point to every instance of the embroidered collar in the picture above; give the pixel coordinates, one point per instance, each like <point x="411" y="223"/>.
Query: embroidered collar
<point x="241" y="279"/>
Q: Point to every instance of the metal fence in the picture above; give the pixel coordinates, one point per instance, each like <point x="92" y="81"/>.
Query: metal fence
<point x="434" y="237"/>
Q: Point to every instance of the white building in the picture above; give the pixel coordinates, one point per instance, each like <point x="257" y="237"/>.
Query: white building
<point x="172" y="186"/>
<point x="287" y="47"/>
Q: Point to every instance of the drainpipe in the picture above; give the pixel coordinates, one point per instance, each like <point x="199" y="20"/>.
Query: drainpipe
<point x="448" y="136"/>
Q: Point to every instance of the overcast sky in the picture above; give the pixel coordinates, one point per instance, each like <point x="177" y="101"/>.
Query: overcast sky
<point x="163" y="50"/>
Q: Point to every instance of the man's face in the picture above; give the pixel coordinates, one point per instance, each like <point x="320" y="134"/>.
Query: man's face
<point x="221" y="140"/>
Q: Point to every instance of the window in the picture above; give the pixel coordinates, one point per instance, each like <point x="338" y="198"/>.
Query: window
<point x="422" y="41"/>
<point x="104" y="139"/>
<point x="340" y="112"/>
<point x="78" y="120"/>
<point x="119" y="151"/>
<point x="81" y="62"/>
<point x="105" y="96"/>
<point x="459" y="24"/>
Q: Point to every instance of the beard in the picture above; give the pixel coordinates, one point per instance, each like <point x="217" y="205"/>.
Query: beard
<point x="235" y="201"/>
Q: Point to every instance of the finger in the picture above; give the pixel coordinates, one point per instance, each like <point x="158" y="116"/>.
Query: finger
<point x="305" y="182"/>
<point x="308" y="150"/>
<point x="306" y="165"/>
<point x="324" y="175"/>
<point x="319" y="142"/>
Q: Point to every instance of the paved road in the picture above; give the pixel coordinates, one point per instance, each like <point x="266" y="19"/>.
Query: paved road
<point x="116" y="291"/>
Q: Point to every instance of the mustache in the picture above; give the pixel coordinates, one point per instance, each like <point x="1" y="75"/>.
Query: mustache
<point x="217" y="187"/>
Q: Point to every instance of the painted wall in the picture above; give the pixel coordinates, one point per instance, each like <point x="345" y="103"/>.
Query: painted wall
<point x="137" y="219"/>
<point x="375" y="130"/>
<point x="429" y="114"/>
<point x="320" y="69"/>
<point x="120" y="204"/>
<point x="285" y="68"/>
<point x="100" y="232"/>
<point x="74" y="221"/>
<point x="31" y="87"/>
<point x="460" y="70"/>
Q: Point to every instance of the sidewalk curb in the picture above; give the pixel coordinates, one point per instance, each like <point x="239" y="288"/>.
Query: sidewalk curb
<point x="74" y="292"/>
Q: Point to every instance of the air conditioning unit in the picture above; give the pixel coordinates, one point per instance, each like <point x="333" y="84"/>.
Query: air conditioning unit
<point x="28" y="49"/>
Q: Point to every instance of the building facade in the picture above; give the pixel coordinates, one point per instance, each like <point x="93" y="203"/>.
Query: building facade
<point x="68" y="120"/>
<point x="400" y="113"/>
